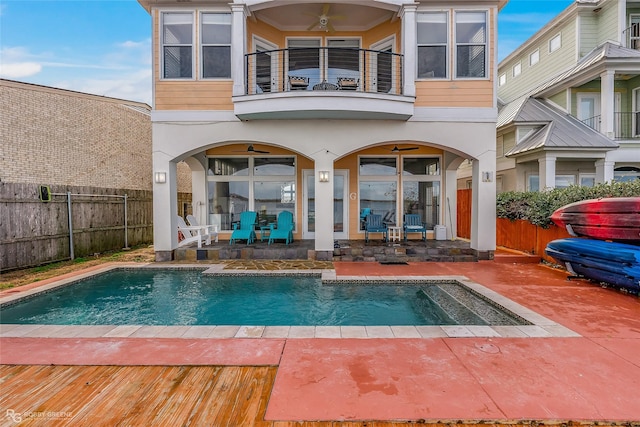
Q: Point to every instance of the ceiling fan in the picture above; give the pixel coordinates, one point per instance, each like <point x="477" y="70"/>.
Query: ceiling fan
<point x="397" y="150"/>
<point x="323" y="19"/>
<point x="251" y="149"/>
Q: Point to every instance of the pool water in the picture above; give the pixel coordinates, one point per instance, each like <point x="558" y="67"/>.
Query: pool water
<point x="171" y="297"/>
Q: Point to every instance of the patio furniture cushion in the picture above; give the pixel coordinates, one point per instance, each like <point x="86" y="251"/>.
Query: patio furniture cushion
<point x="412" y="223"/>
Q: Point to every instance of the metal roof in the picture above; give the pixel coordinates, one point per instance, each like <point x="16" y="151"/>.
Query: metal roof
<point x="560" y="130"/>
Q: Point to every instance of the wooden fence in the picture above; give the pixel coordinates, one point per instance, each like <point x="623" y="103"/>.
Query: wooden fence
<point x="519" y="235"/>
<point x="464" y="214"/>
<point x="34" y="232"/>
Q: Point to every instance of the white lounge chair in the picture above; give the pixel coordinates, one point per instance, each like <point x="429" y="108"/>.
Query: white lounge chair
<point x="211" y="229"/>
<point x="192" y="234"/>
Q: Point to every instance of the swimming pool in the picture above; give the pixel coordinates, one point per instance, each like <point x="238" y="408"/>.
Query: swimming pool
<point x="174" y="297"/>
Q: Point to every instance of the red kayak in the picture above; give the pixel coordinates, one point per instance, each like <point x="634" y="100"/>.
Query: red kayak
<point x="613" y="218"/>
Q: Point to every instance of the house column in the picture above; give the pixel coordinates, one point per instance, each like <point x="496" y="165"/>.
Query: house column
<point x="547" y="172"/>
<point x="483" y="205"/>
<point x="165" y="206"/>
<point x="324" y="204"/>
<point x="604" y="171"/>
<point x="238" y="48"/>
<point x="409" y="48"/>
<point x="451" y="202"/>
<point x="607" y="103"/>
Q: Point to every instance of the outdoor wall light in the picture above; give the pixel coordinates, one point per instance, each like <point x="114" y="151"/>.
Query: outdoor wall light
<point x="160" y="177"/>
<point x="323" y="176"/>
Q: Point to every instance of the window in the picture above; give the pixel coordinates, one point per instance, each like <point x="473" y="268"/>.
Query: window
<point x="432" y="45"/>
<point x="304" y="60"/>
<point x="587" y="179"/>
<point x="266" y="185"/>
<point x="534" y="57"/>
<point x="523" y="131"/>
<point x="564" y="181"/>
<point x="555" y="43"/>
<point x="177" y="45"/>
<point x="216" y="45"/>
<point x="343" y="59"/>
<point x="471" y="44"/>
<point x="502" y="79"/>
<point x="517" y="69"/>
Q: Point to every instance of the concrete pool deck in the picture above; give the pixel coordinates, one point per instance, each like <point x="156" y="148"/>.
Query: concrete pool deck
<point x="590" y="376"/>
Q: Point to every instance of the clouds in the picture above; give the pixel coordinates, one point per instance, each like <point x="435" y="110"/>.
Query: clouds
<point x="119" y="70"/>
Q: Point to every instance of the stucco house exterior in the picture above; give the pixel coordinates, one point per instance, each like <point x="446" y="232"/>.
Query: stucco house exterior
<point x="570" y="100"/>
<point x="325" y="110"/>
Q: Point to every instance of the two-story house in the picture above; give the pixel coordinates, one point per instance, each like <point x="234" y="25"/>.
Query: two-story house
<point x="324" y="110"/>
<point x="571" y="97"/>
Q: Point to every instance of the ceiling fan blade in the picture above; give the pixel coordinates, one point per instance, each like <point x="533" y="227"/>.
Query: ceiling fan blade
<point x="330" y="27"/>
<point x="312" y="26"/>
<point x="397" y="150"/>
<point x="325" y="8"/>
<point x="251" y="149"/>
<point x="337" y="17"/>
<point x="260" y="152"/>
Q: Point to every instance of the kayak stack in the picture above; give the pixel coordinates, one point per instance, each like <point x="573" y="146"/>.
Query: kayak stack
<point x="607" y="246"/>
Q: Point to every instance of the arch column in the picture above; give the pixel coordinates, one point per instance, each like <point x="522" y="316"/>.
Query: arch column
<point x="324" y="205"/>
<point x="165" y="207"/>
<point x="483" y="205"/>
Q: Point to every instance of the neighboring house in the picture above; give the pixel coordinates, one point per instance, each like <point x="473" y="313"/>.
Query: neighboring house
<point x="324" y="109"/>
<point x="571" y="97"/>
<point x="55" y="136"/>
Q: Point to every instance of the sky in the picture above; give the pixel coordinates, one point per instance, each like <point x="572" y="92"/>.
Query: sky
<point x="103" y="47"/>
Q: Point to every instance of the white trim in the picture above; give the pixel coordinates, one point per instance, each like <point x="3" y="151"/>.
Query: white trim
<point x="557" y="36"/>
<point x="194" y="72"/>
<point x="454" y="45"/>
<point x="537" y="52"/>
<point x="193" y="116"/>
<point x="373" y="71"/>
<point x="455" y="114"/>
<point x="201" y="45"/>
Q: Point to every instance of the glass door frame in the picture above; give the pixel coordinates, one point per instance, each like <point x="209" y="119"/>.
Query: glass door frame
<point x="310" y="173"/>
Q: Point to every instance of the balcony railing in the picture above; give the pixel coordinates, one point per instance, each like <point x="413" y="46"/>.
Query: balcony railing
<point x="324" y="69"/>
<point x="625" y="125"/>
<point x="632" y="36"/>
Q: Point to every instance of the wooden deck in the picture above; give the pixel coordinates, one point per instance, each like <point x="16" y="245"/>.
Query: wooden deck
<point x="231" y="396"/>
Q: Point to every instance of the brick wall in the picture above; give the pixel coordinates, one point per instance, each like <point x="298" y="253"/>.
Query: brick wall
<point x="52" y="136"/>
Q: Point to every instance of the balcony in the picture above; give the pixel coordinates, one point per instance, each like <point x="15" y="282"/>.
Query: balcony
<point x="631" y="36"/>
<point x="329" y="82"/>
<point x="625" y="125"/>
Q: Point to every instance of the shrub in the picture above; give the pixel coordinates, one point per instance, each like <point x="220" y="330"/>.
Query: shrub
<point x="537" y="207"/>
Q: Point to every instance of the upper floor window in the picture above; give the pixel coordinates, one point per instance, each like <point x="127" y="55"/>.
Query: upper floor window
<point x="432" y="45"/>
<point x="555" y="43"/>
<point x="216" y="45"/>
<point x="471" y="44"/>
<point x="502" y="80"/>
<point x="177" y="45"/>
<point x="534" y="57"/>
<point x="517" y="69"/>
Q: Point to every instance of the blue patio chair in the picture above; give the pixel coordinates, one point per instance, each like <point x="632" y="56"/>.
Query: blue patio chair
<point x="412" y="223"/>
<point x="374" y="224"/>
<point x="363" y="217"/>
<point x="283" y="230"/>
<point x="245" y="229"/>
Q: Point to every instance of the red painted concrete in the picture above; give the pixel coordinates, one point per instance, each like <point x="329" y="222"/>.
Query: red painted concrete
<point x="540" y="379"/>
<point x="595" y="377"/>
<point x="139" y="351"/>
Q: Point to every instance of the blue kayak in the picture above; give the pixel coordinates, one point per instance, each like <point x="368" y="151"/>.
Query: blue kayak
<point x="610" y="262"/>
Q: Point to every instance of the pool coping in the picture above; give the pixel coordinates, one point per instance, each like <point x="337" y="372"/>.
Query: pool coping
<point x="540" y="327"/>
